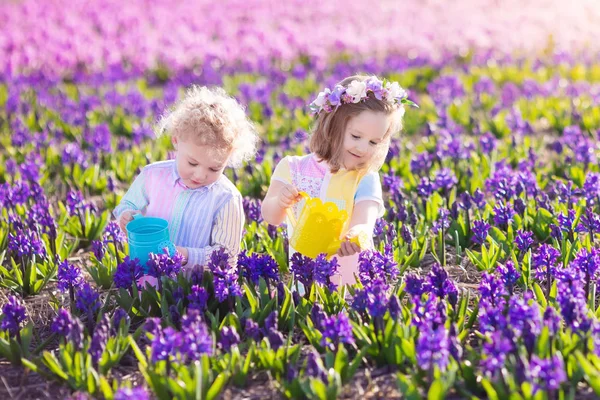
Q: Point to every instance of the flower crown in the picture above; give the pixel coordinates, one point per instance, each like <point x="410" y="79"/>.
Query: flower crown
<point x="357" y="91"/>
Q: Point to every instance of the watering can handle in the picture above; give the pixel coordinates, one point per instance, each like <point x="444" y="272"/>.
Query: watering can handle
<point x="290" y="213"/>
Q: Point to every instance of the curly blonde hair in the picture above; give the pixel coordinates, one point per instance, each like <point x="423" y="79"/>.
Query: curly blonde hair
<point x="209" y="116"/>
<point x="328" y="131"/>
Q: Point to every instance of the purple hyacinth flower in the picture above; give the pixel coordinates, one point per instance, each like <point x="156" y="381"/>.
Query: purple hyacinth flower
<point x="336" y="329"/>
<point x="98" y="249"/>
<point x="433" y="348"/>
<point x="544" y="261"/>
<point x="494" y="352"/>
<point x="444" y="180"/>
<point x="508" y="274"/>
<point x="69" y="327"/>
<point x="589" y="222"/>
<point x="99" y="339"/>
<point x="128" y="272"/>
<point x="13" y="315"/>
<point x="524" y="240"/>
<point x="424" y="188"/>
<point x="252" y="330"/>
<point x="548" y="373"/>
<point x="552" y="320"/>
<point x="138" y="393"/>
<point x="225" y="276"/>
<point x="163" y="264"/>
<point x="118" y="316"/>
<point x="88" y="299"/>
<point x="166" y="345"/>
<point x="303" y="269"/>
<point x="480" y="231"/>
<point x="198" y="298"/>
<point x="503" y="214"/>
<point x="69" y="276"/>
<point x="414" y="285"/>
<point x="113" y="233"/>
<point x="228" y="338"/>
<point x="314" y="367"/>
<point x="197" y="338"/>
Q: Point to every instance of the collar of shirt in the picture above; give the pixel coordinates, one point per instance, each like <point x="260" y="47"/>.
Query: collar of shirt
<point x="177" y="180"/>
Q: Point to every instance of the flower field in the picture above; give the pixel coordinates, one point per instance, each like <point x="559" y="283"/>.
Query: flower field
<point x="483" y="283"/>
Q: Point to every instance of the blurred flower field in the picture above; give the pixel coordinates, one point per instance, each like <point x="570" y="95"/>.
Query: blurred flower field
<point x="484" y="280"/>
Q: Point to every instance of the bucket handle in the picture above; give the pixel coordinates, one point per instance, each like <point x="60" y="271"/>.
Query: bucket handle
<point x="137" y="215"/>
<point x="290" y="213"/>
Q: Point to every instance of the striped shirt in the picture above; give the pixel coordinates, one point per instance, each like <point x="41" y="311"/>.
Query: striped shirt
<point x="201" y="220"/>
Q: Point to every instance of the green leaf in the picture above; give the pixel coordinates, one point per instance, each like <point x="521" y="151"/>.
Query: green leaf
<point x="217" y="386"/>
<point x="436" y="391"/>
<point x="539" y="294"/>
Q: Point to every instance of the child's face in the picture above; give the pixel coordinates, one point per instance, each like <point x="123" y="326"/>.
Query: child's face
<point x="363" y="134"/>
<point x="198" y="165"/>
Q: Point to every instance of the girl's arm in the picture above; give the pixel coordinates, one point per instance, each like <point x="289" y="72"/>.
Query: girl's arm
<point x="134" y="200"/>
<point x="363" y="219"/>
<point x="226" y="233"/>
<point x="279" y="197"/>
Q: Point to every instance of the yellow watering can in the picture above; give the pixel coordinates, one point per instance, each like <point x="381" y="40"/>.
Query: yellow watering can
<point x="319" y="227"/>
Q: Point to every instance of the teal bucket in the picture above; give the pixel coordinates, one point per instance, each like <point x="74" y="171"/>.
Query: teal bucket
<point x="148" y="235"/>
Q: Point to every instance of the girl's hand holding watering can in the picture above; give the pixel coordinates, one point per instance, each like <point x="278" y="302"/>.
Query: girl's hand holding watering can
<point x="288" y="196"/>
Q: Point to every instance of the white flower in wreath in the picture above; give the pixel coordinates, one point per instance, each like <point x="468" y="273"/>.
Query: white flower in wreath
<point x="395" y="91"/>
<point x="321" y="98"/>
<point x="357" y="90"/>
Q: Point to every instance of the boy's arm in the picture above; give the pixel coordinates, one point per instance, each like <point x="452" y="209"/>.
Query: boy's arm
<point x="134" y="200"/>
<point x="227" y="233"/>
<point x="136" y="197"/>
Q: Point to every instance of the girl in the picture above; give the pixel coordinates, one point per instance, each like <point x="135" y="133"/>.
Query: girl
<point x="349" y="143"/>
<point x="209" y="131"/>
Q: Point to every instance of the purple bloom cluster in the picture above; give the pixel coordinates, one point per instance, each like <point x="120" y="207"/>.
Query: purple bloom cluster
<point x="113" y="233"/>
<point x="433" y="348"/>
<point x="225" y="276"/>
<point x="163" y="264"/>
<point x="197" y="298"/>
<point x="68" y="327"/>
<point x="258" y="266"/>
<point x="336" y="329"/>
<point x="524" y="240"/>
<point x="228" y="337"/>
<point x="320" y="270"/>
<point x="128" y="272"/>
<point x="252" y="209"/>
<point x="437" y="283"/>
<point x="69" y="276"/>
<point x="26" y="243"/>
<point x="572" y="300"/>
<point x="544" y="261"/>
<point x="376" y="268"/>
<point x="184" y="346"/>
<point x="88" y="299"/>
<point x="99" y="339"/>
<point x="13" y="315"/>
<point x="480" y="231"/>
<point x="137" y="393"/>
<point x="314" y="367"/>
<point x="547" y="373"/>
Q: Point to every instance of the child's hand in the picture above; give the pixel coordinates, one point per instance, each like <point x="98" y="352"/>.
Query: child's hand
<point x="125" y="218"/>
<point x="355" y="241"/>
<point x="184" y="252"/>
<point x="288" y="196"/>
